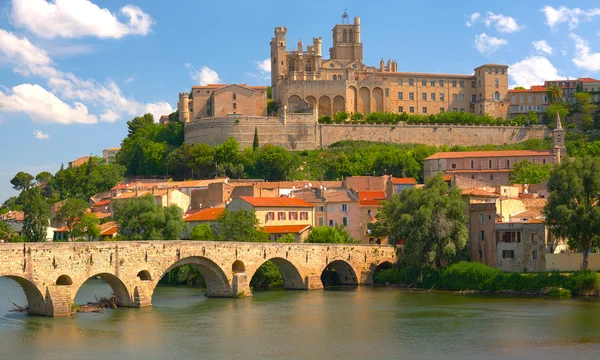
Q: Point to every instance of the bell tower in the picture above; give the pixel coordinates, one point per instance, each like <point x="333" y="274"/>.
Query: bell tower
<point x="346" y="41"/>
<point x="558" y="140"/>
<point x="278" y="59"/>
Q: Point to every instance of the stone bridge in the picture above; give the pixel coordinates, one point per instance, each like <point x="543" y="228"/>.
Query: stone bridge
<point x="52" y="273"/>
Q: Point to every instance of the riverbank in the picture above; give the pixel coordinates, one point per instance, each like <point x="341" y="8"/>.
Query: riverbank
<point x="477" y="277"/>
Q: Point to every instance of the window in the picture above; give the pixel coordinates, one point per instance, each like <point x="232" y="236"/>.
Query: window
<point x="497" y="96"/>
<point x="334" y="77"/>
<point x="411" y="82"/>
<point x="496" y="83"/>
<point x="534" y="255"/>
<point x="291" y="65"/>
<point x="490" y="163"/>
<point x="293" y="215"/>
<point x="304" y="215"/>
<point x="453" y="83"/>
<point x="441" y="83"/>
<point x="412" y="109"/>
<point x="545" y="98"/>
<point x="424" y="109"/>
<point x="480" y="254"/>
<point x="442" y="110"/>
<point x="454" y="97"/>
<point x="320" y="208"/>
<point x="496" y="71"/>
<point x="331" y="223"/>
<point x="234" y="106"/>
<point x="441" y="96"/>
<point x="400" y="109"/>
<point x="472" y="164"/>
<point x="473" y="98"/>
<point x="482" y="235"/>
<point x="489" y="217"/>
<point x="281" y="215"/>
<point x="350" y="36"/>
<point x="270" y="216"/>
<point x="507" y="163"/>
<point x="411" y="96"/>
<point x="321" y="221"/>
<point x="481" y="219"/>
<point x="473" y="84"/>
<point x="234" y="96"/>
<point x="453" y="166"/>
<point x="343" y="207"/>
<point x="424" y="96"/>
<point x="462" y="109"/>
<point x="345" y="221"/>
<point x="543" y="161"/>
<point x="423" y="82"/>
<point x="533" y="238"/>
<point x="400" y="96"/>
<point x="330" y="208"/>
<point x="455" y="109"/>
<point x="521" y="99"/>
<point x="432" y="96"/>
<point x="508" y="254"/>
<point x="344" y="36"/>
<point x="400" y="82"/>
<point x="309" y="66"/>
<point x="462" y="97"/>
<point x="509" y="236"/>
<point x="461" y="83"/>
<point x="387" y="92"/>
<point x="432" y="83"/>
<point x="529" y="99"/>
<point x="491" y="176"/>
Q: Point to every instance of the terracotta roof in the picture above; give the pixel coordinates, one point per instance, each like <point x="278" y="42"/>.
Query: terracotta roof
<point x="308" y="195"/>
<point x="404" y="181"/>
<point x="528" y="214"/>
<point x="210" y="214"/>
<point x="499" y="153"/>
<point x="301" y="184"/>
<point x="61" y="229"/>
<point x="275" y="202"/>
<point x="102" y="215"/>
<point x="534" y="221"/>
<point x="430" y="75"/>
<point x="371" y="195"/>
<point x="109" y="228"/>
<point x="338" y="195"/>
<point x="370" y="202"/>
<point x="539" y="87"/>
<point x="13" y="216"/>
<point x="283" y="229"/>
<point x="102" y="203"/>
<point x="588" y="80"/>
<point x="534" y="203"/>
<point x="447" y="177"/>
<point x="478" y="192"/>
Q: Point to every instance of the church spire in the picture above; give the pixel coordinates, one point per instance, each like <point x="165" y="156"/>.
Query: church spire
<point x="557" y="123"/>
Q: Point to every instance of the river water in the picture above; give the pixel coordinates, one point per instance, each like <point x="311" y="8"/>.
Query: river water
<point x="355" y="323"/>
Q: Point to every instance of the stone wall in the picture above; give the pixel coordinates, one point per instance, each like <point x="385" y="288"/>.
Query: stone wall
<point x="52" y="273"/>
<point x="301" y="132"/>
<point x="571" y="262"/>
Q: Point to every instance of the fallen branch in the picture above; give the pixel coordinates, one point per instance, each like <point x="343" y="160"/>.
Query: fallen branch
<point x="18" y="308"/>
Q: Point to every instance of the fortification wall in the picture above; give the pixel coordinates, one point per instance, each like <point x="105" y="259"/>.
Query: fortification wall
<point x="433" y="135"/>
<point x="301" y="132"/>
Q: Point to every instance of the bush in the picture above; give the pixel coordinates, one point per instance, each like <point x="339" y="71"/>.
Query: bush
<point x="559" y="292"/>
<point x="267" y="276"/>
<point x="469" y="276"/>
<point x="584" y="283"/>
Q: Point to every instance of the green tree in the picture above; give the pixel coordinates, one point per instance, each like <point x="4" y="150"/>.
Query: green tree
<point x="6" y="232"/>
<point x="583" y="111"/>
<point x="240" y="226"/>
<point x="573" y="208"/>
<point x="519" y="88"/>
<point x="532" y="117"/>
<point x="553" y="109"/>
<point x="144" y="219"/>
<point x="273" y="162"/>
<point x="525" y="172"/>
<point x="202" y="232"/>
<point x="174" y="225"/>
<point x="330" y="234"/>
<point x="287" y="238"/>
<point x="22" y="181"/>
<point x="431" y="221"/>
<point x="87" y="226"/>
<point x="37" y="215"/>
<point x="139" y="122"/>
<point x="555" y="94"/>
<point x="71" y="212"/>
<point x="255" y="144"/>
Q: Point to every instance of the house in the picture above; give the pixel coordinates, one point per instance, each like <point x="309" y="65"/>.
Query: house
<point x="109" y="230"/>
<point x="109" y="154"/>
<point x="14" y="219"/>
<point x="334" y="207"/>
<point x="369" y="203"/>
<point x="78" y="162"/>
<point x="482" y="221"/>
<point x="278" y="216"/>
<point x="521" y="246"/>
<point x="366" y="183"/>
<point x="163" y="197"/>
<point x="397" y="185"/>
<point x="204" y="216"/>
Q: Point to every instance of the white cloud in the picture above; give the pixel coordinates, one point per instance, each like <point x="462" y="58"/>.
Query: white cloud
<point x="205" y="76"/>
<point x="264" y="65"/>
<point x="585" y="58"/>
<point x="555" y="17"/>
<point x="486" y="44"/>
<point x="543" y="46"/>
<point x="472" y="19"/>
<point x="27" y="58"/>
<point x="38" y="134"/>
<point x="158" y="109"/>
<point x="44" y="107"/>
<point x="533" y="71"/>
<point x="129" y="80"/>
<point x="78" y="18"/>
<point x="502" y="23"/>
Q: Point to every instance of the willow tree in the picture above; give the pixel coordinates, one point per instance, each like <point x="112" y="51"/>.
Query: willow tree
<point x="573" y="208"/>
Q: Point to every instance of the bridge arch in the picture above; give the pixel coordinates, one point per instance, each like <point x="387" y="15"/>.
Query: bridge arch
<point x="119" y="289"/>
<point x="36" y="305"/>
<point x="144" y="275"/>
<point x="375" y="268"/>
<point x="292" y="279"/>
<point x="238" y="267"/>
<point x="64" y="280"/>
<point x="339" y="270"/>
<point x="217" y="283"/>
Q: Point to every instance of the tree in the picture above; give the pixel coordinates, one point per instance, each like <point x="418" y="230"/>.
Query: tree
<point x="71" y="212"/>
<point x="532" y="117"/>
<point x="22" y="181"/>
<point x="202" y="232"/>
<point x="87" y="226"/>
<point x="240" y="226"/>
<point x="287" y="238"/>
<point x="431" y="221"/>
<point x="555" y="94"/>
<point x="573" y="208"/>
<point x="525" y="172"/>
<point x="6" y="232"/>
<point x="201" y="157"/>
<point x="255" y="144"/>
<point x="519" y="88"/>
<point x="330" y="234"/>
<point x="552" y="110"/>
<point x="273" y="162"/>
<point x="37" y="215"/>
<point x="138" y="123"/>
<point x="145" y="219"/>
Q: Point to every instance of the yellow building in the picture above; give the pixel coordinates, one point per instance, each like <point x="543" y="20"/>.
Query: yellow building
<point x="278" y="216"/>
<point x="302" y="78"/>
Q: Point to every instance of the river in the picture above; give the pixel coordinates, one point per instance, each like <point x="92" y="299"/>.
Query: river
<point x="355" y="323"/>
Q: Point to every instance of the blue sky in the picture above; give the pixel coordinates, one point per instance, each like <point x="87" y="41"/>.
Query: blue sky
<point x="72" y="72"/>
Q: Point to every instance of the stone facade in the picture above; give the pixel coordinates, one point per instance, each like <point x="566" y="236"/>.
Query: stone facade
<point x="521" y="246"/>
<point x="51" y="274"/>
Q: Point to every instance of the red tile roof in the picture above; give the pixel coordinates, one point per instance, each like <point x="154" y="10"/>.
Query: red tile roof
<point x="283" y="229"/>
<point x="210" y="214"/>
<point x="370" y="202"/>
<point x="371" y="198"/>
<point x="588" y="80"/>
<point x="447" y="177"/>
<point x="499" y="153"/>
<point x="102" y="203"/>
<point x="478" y="192"/>
<point x="275" y="202"/>
<point x="404" y="181"/>
<point x="109" y="228"/>
<point x="13" y="215"/>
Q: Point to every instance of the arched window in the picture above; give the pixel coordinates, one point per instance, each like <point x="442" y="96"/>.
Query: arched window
<point x="334" y="77"/>
<point x="291" y="65"/>
<point x="497" y="96"/>
<point x="344" y="36"/>
<point x="309" y="66"/>
<point x="472" y="164"/>
<point x="351" y="36"/>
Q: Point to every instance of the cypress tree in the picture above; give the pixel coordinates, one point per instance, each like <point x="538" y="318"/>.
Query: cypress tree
<point x="255" y="142"/>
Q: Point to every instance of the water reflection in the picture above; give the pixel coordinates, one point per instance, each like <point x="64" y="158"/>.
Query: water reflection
<point x="345" y="323"/>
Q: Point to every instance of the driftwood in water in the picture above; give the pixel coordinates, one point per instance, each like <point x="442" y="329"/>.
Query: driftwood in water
<point x="19" y="309"/>
<point x="99" y="305"/>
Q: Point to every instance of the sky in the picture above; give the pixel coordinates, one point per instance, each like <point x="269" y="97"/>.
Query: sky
<point x="72" y="72"/>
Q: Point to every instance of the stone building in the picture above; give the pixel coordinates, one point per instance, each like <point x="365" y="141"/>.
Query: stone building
<point x="521" y="246"/>
<point x="343" y="82"/>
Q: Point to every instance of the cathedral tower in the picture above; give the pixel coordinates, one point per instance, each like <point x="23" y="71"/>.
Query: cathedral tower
<point x="346" y="41"/>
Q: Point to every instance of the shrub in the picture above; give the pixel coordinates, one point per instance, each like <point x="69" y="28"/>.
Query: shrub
<point x="469" y="276"/>
<point x="559" y="292"/>
<point x="584" y="283"/>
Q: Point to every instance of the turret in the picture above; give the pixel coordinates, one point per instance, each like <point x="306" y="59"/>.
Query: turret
<point x="357" y="29"/>
<point x="280" y="33"/>
<point x="318" y="43"/>
<point x="299" y="46"/>
<point x="558" y="139"/>
<point x="184" y="107"/>
<point x="389" y="65"/>
<point x="381" y="65"/>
